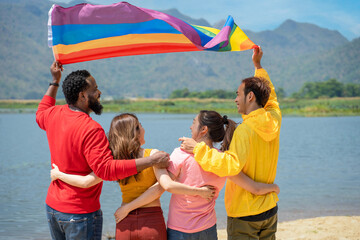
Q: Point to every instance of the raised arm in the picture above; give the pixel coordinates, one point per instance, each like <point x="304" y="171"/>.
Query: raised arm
<point x="272" y="103"/>
<point x="166" y="181"/>
<point x="74" y="180"/>
<point x="55" y="69"/>
<point x="250" y="185"/>
<point x="152" y="193"/>
<point x="50" y="95"/>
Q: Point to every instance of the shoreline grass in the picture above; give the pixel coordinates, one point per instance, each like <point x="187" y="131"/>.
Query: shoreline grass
<point x="289" y="107"/>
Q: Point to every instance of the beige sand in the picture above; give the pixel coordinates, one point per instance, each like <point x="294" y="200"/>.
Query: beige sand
<point x="321" y="228"/>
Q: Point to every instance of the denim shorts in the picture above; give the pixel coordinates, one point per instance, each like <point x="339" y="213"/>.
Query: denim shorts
<point x="207" y="234"/>
<point x="74" y="226"/>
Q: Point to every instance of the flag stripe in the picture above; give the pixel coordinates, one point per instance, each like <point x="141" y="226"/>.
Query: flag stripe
<point x="98" y="14"/>
<point x="136" y="49"/>
<point x="246" y="45"/>
<point x="211" y="32"/>
<point x="75" y="33"/>
<point x="123" y="41"/>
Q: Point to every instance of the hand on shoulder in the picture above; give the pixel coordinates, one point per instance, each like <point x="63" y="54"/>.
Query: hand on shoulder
<point x="161" y="159"/>
<point x="154" y="151"/>
<point x="187" y="144"/>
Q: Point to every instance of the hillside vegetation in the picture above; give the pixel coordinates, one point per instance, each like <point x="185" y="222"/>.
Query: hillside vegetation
<point x="294" y="53"/>
<point x="289" y="107"/>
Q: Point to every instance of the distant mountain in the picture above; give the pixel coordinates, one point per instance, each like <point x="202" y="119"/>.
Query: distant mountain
<point x="293" y="38"/>
<point x="341" y="62"/>
<point x="24" y="55"/>
<point x="220" y="24"/>
<point x="294" y="53"/>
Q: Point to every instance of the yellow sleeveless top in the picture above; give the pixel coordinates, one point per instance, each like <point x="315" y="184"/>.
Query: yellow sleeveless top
<point x="134" y="188"/>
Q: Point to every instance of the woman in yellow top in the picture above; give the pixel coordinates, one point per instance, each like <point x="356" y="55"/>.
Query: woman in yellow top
<point x="126" y="136"/>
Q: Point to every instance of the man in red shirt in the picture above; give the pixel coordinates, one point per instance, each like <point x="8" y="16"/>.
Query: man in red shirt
<point x="78" y="145"/>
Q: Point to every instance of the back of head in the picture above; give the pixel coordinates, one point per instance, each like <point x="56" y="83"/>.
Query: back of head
<point x="220" y="128"/>
<point x="124" y="138"/>
<point x="259" y="87"/>
<point x="73" y="84"/>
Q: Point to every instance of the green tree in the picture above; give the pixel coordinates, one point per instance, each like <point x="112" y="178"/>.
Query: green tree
<point x="185" y="93"/>
<point x="309" y="90"/>
<point x="180" y="93"/>
<point x="330" y="88"/>
<point x="351" y="90"/>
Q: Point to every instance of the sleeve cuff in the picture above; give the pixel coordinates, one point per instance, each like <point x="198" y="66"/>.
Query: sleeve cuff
<point x="49" y="99"/>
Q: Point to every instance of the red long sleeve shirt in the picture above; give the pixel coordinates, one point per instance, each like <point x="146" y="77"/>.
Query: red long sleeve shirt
<point x="78" y="145"/>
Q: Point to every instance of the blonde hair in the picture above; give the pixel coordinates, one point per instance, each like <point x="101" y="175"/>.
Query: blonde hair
<point x="124" y="139"/>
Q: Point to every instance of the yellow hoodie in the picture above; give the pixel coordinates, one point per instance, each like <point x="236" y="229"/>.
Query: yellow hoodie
<point x="254" y="149"/>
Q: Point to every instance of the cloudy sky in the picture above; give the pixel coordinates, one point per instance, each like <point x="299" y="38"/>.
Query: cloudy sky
<point x="259" y="15"/>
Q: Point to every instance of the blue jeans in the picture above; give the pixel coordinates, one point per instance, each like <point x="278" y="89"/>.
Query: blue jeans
<point x="74" y="226"/>
<point x="207" y="234"/>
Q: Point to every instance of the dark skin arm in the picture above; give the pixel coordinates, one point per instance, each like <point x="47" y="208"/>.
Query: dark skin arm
<point x="56" y="68"/>
<point x="159" y="159"/>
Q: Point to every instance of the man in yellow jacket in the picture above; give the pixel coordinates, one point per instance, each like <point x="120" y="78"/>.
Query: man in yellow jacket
<point x="254" y="150"/>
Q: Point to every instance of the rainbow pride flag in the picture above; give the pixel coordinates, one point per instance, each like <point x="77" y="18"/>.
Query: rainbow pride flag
<point x="88" y="32"/>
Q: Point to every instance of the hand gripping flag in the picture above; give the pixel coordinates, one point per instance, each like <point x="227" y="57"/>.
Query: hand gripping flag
<point x="88" y="32"/>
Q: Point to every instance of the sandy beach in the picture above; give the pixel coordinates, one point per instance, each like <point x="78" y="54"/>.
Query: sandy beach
<point x="320" y="228"/>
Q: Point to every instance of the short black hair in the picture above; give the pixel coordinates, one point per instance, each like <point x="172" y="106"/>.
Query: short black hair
<point x="73" y="84"/>
<point x="260" y="88"/>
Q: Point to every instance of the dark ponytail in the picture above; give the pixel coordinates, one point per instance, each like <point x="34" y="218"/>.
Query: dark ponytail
<point x="230" y="127"/>
<point x="216" y="130"/>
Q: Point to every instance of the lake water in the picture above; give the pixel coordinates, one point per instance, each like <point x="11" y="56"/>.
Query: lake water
<point x="318" y="169"/>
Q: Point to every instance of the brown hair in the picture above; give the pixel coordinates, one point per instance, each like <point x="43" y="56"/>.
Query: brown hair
<point x="216" y="130"/>
<point x="124" y="138"/>
<point x="259" y="87"/>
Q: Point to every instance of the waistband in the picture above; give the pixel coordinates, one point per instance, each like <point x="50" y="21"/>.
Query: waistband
<point x="262" y="216"/>
<point x="145" y="210"/>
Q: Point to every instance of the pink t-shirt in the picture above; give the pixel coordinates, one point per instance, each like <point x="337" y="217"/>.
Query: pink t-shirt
<point x="191" y="213"/>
